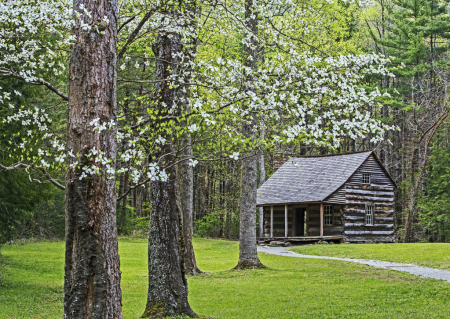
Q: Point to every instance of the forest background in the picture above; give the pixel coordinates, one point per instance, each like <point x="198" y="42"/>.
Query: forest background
<point x="414" y="33"/>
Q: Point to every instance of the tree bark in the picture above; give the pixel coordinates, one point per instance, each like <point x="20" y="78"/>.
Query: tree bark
<point x="187" y="171"/>
<point x="187" y="201"/>
<point x="248" y="254"/>
<point x="124" y="203"/>
<point x="167" y="291"/>
<point x="262" y="180"/>
<point x="92" y="274"/>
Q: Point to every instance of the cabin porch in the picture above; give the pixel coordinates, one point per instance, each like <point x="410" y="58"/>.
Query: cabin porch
<point x="303" y="222"/>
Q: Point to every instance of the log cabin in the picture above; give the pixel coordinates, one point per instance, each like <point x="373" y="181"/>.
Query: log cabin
<point x="345" y="197"/>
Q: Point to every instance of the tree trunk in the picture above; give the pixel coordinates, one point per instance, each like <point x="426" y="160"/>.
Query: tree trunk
<point x="121" y="182"/>
<point x="262" y="179"/>
<point x="92" y="275"/>
<point x="139" y="200"/>
<point x="124" y="203"/>
<point x="228" y="199"/>
<point x="412" y="196"/>
<point x="167" y="291"/>
<point x="187" y="201"/>
<point x="187" y="171"/>
<point x="248" y="254"/>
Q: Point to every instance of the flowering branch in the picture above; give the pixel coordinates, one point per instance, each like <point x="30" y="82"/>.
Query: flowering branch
<point x="26" y="167"/>
<point x="8" y="73"/>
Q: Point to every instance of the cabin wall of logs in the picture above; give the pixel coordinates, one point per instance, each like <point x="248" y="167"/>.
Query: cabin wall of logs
<point x="379" y="194"/>
<point x="381" y="198"/>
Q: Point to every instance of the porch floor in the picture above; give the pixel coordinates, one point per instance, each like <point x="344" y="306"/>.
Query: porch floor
<point x="301" y="239"/>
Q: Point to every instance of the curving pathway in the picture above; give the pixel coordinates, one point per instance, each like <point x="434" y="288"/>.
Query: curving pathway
<point x="415" y="270"/>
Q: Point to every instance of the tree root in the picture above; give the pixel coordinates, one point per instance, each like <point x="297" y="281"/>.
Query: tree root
<point x="246" y="264"/>
<point x="158" y="311"/>
<point x="195" y="272"/>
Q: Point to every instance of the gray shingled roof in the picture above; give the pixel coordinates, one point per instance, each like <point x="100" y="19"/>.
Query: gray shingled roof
<point x="309" y="179"/>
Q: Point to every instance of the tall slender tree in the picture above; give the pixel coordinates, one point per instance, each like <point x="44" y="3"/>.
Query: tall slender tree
<point x="187" y="170"/>
<point x="248" y="254"/>
<point x="92" y="274"/>
<point x="262" y="179"/>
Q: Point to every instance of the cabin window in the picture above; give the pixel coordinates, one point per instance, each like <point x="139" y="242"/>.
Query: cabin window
<point x="366" y="178"/>
<point x="328" y="215"/>
<point x="369" y="214"/>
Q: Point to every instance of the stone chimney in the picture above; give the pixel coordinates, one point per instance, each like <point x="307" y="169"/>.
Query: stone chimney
<point x="279" y="158"/>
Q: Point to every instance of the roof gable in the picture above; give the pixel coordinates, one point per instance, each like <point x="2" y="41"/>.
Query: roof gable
<point x="309" y="179"/>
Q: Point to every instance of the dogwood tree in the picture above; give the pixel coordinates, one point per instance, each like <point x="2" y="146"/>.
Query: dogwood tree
<point x="321" y="96"/>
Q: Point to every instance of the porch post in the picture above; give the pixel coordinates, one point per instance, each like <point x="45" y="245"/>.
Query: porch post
<point x="321" y="219"/>
<point x="271" y="221"/>
<point x="285" y="220"/>
<point x="294" y="222"/>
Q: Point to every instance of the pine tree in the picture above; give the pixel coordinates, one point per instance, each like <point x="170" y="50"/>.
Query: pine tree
<point x="416" y="33"/>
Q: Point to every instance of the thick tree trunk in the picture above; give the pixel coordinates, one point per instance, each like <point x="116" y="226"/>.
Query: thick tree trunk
<point x="167" y="291"/>
<point x="248" y="254"/>
<point x="92" y="275"/>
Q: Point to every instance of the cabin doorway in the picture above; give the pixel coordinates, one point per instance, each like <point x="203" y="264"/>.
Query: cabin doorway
<point x="300" y="221"/>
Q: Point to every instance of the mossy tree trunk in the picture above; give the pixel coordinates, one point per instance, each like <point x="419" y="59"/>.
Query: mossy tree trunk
<point x="167" y="291"/>
<point x="92" y="274"/>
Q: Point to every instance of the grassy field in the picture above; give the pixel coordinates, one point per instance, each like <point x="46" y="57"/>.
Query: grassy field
<point x="428" y="255"/>
<point x="32" y="285"/>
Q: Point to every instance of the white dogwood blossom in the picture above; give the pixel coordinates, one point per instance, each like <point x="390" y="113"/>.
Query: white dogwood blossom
<point x="234" y="156"/>
<point x="193" y="163"/>
<point x="314" y="98"/>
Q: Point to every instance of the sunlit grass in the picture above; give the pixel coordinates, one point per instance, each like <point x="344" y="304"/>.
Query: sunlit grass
<point x="290" y="288"/>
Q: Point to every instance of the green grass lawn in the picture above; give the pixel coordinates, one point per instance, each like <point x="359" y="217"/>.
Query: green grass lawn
<point x="32" y="285"/>
<point x="428" y="255"/>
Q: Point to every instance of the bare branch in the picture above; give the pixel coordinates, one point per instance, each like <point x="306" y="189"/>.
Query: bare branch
<point x="135" y="33"/>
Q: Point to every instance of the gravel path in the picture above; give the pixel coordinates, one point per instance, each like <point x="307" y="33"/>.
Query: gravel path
<point x="415" y="270"/>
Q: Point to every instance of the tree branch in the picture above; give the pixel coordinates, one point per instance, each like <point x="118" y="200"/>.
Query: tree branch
<point x="135" y="33"/>
<point x="7" y="73"/>
<point x="25" y="167"/>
